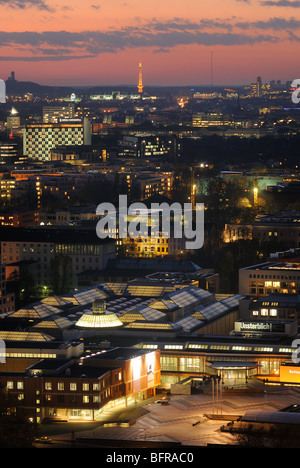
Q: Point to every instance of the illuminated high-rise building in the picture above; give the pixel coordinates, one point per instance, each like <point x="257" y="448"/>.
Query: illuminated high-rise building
<point x="140" y="85"/>
<point x="40" y="139"/>
<point x="257" y="87"/>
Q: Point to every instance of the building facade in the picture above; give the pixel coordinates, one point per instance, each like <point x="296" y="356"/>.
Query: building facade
<point x="270" y="278"/>
<point x="79" y="389"/>
<point x="39" y="139"/>
<point x="41" y="246"/>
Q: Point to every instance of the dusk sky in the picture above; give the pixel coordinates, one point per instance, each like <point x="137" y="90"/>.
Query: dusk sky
<point x="76" y="42"/>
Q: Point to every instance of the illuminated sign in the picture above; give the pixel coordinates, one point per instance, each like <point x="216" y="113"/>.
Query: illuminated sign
<point x="256" y="326"/>
<point x="70" y="121"/>
<point x="2" y="352"/>
<point x="290" y="374"/>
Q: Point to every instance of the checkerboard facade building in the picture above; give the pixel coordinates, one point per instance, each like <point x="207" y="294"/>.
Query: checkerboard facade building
<point x="39" y="139"/>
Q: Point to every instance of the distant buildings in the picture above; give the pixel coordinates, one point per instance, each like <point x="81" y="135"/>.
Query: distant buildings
<point x="40" y="246"/>
<point x="211" y="119"/>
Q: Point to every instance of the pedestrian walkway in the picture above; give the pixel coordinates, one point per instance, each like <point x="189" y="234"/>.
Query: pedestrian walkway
<point x="184" y="419"/>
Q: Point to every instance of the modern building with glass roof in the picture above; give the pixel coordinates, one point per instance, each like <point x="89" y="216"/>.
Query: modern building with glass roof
<point x="133" y="309"/>
<point x="191" y="327"/>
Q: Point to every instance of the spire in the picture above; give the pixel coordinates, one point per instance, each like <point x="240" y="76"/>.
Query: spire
<point x="140" y="85"/>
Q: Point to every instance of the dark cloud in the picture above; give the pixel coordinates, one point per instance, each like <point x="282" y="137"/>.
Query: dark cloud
<point x="156" y="35"/>
<point x="281" y="3"/>
<point x="275" y="24"/>
<point x="23" y="4"/>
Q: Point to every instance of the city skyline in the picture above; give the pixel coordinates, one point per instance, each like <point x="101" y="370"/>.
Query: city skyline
<point x="102" y="44"/>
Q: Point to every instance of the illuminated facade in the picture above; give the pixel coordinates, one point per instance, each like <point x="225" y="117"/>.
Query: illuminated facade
<point x="277" y="308"/>
<point x="229" y="358"/>
<point x="270" y="278"/>
<point x="7" y="186"/>
<point x="148" y="145"/>
<point x="52" y="114"/>
<point x="39" y="139"/>
<point x="79" y="389"/>
<point x="9" y="152"/>
<point x="210" y="119"/>
<point x="140" y="85"/>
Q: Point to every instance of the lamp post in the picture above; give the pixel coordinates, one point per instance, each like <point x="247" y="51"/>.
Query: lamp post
<point x="217" y="391"/>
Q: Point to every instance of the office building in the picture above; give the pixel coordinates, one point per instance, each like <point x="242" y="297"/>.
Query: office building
<point x="282" y="227"/>
<point x="148" y="145"/>
<point x="256" y="87"/>
<point x="53" y="114"/>
<point x="9" y="152"/>
<point x="42" y="245"/>
<point x="211" y="119"/>
<point x="19" y="218"/>
<point x="13" y="121"/>
<point x="79" y="154"/>
<point x="270" y="278"/>
<point x="40" y="139"/>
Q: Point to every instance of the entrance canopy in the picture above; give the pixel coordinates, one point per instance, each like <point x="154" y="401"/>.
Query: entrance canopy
<point x="228" y="365"/>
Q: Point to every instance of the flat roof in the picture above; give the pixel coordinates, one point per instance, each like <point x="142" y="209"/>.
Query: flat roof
<point x="52" y="235"/>
<point x="274" y="266"/>
<point x="122" y="354"/>
<point x="55" y="368"/>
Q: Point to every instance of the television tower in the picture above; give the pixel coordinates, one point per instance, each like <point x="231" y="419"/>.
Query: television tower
<point x="140" y="85"/>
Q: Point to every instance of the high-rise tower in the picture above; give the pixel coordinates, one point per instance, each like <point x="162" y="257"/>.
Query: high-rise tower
<point x="140" y="85"/>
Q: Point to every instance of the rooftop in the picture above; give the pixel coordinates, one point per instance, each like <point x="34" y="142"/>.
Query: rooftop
<point x="53" y="235"/>
<point x="274" y="266"/>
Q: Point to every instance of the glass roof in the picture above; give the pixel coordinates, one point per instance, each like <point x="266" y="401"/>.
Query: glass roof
<point x="24" y="336"/>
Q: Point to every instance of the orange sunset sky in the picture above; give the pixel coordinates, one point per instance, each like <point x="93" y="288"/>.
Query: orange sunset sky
<point x="92" y="42"/>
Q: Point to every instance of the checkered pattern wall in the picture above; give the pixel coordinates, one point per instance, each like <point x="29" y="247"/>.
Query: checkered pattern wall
<point x="39" y="140"/>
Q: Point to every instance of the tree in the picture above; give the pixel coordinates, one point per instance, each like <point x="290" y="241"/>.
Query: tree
<point x="15" y="429"/>
<point x="61" y="274"/>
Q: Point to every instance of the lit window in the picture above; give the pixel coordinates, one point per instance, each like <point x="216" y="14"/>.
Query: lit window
<point x="73" y="386"/>
<point x="273" y="312"/>
<point x="264" y="312"/>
